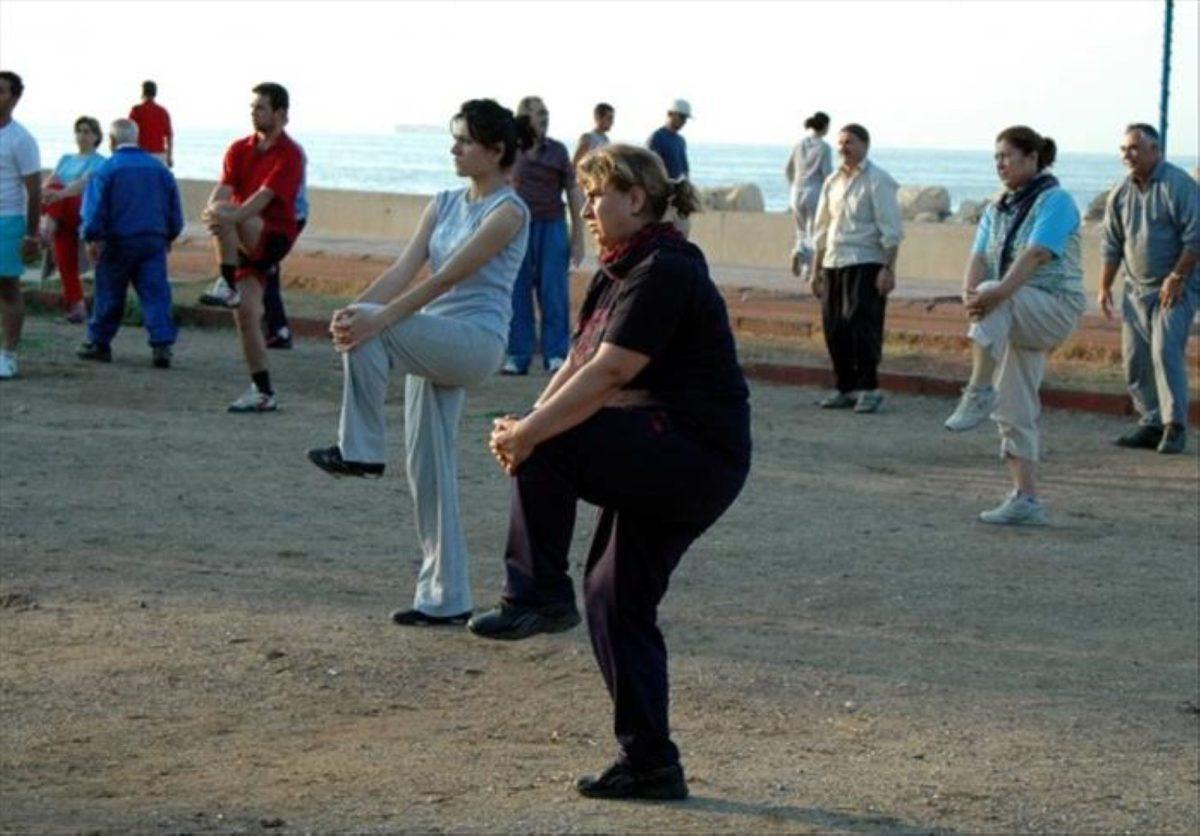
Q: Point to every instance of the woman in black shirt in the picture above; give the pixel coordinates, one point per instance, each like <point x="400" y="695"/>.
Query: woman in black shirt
<point x="648" y="419"/>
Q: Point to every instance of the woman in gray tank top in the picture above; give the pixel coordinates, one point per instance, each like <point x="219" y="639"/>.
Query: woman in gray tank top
<point x="445" y="333"/>
<point x="811" y="162"/>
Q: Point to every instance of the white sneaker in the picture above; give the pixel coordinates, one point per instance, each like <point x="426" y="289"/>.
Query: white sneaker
<point x="253" y="400"/>
<point x="554" y="364"/>
<point x="975" y="405"/>
<point x="8" y="365"/>
<point x="1017" y="509"/>
<point x="221" y="295"/>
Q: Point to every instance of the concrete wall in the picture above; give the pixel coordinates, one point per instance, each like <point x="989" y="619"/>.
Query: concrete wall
<point x="761" y="240"/>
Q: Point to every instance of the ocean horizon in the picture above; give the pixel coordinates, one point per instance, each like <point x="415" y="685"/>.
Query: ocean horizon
<point x="416" y="160"/>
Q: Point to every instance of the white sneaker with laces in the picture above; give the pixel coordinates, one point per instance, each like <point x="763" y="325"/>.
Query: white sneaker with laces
<point x="1017" y="509"/>
<point x="975" y="405"/>
<point x="8" y="365"/>
<point x="221" y="295"/>
<point x="253" y="400"/>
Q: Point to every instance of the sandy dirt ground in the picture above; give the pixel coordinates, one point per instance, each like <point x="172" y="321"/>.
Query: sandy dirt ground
<point x="194" y="632"/>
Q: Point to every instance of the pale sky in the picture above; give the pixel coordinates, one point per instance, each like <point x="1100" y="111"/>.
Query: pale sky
<point x="917" y="74"/>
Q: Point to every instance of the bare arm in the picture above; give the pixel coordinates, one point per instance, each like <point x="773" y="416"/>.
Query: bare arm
<point x="253" y="207"/>
<point x="581" y="149"/>
<point x="575" y="200"/>
<point x="392" y="282"/>
<point x="351" y="326"/>
<point x="564" y="373"/>
<point x="33" y="205"/>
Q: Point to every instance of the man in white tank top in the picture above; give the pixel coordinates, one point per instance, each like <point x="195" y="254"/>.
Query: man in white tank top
<point x="603" y="115"/>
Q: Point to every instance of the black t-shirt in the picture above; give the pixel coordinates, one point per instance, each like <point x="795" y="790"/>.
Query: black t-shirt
<point x="661" y="302"/>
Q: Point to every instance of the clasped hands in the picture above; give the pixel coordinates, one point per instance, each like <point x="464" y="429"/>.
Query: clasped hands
<point x="218" y="213"/>
<point x="509" y="443"/>
<point x="353" y="325"/>
<point x="979" y="303"/>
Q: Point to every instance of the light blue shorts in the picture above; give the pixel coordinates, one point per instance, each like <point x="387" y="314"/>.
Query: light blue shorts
<point x="12" y="233"/>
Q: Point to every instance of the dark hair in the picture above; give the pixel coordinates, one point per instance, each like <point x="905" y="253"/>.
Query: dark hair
<point x="1029" y="141"/>
<point x="15" y="85"/>
<point x="149" y="88"/>
<point x="277" y="94"/>
<point x="602" y="109"/>
<point x="818" y="121"/>
<point x="1148" y="131"/>
<point x="93" y="124"/>
<point x="490" y="123"/>
<point x="856" y="130"/>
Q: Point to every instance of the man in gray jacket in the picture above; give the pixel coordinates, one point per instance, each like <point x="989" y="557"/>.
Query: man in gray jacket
<point x="1151" y="224"/>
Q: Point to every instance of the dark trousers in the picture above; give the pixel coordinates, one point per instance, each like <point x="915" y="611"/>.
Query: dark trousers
<point x="852" y="312"/>
<point x="658" y="490"/>
<point x="142" y="261"/>
<point x="274" y="315"/>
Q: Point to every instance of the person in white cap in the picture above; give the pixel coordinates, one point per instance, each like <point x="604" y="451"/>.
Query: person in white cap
<point x="667" y="142"/>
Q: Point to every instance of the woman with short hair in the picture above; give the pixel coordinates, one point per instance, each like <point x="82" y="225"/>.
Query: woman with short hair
<point x="1024" y="295"/>
<point x="445" y="333"/>
<point x="62" y="202"/>
<point x="648" y="419"/>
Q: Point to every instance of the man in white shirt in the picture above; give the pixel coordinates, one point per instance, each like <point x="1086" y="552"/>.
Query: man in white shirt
<point x="856" y="236"/>
<point x="20" y="207"/>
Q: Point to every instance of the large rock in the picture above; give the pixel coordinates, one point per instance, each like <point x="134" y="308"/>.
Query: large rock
<point x="1095" y="210"/>
<point x="970" y="211"/>
<point x="917" y="200"/>
<point x="744" y="197"/>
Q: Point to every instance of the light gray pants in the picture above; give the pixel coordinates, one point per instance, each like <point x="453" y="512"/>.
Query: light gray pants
<point x="1018" y="333"/>
<point x="1154" y="347"/>
<point x="440" y="357"/>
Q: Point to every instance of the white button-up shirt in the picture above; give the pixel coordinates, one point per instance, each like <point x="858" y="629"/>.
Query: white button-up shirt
<point x="858" y="216"/>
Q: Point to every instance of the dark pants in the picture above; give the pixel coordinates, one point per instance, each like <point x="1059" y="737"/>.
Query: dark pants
<point x="142" y="261"/>
<point x="658" y="490"/>
<point x="852" y="313"/>
<point x="274" y="315"/>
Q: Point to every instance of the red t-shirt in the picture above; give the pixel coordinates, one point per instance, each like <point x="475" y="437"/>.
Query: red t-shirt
<point x="154" y="126"/>
<point x="280" y="168"/>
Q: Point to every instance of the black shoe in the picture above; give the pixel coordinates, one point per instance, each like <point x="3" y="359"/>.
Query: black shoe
<point x="94" y="351"/>
<point x="281" y="340"/>
<point x="160" y="356"/>
<point x="1174" y="439"/>
<point x="511" y="622"/>
<point x="1141" y="438"/>
<point x="416" y="618"/>
<point x="330" y="460"/>
<point x="621" y="781"/>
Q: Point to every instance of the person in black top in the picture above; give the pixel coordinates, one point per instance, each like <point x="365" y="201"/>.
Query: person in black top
<point x="649" y="419"/>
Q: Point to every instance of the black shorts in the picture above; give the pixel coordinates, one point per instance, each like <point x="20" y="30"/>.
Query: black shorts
<point x="273" y="247"/>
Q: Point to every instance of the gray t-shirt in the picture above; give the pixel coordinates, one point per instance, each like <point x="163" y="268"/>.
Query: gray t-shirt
<point x="484" y="298"/>
<point x="1148" y="230"/>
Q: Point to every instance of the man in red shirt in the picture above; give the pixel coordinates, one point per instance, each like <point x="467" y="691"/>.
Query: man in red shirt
<point x="154" y="126"/>
<point x="252" y="216"/>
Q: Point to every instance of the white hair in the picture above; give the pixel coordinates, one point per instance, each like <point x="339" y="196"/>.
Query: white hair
<point x="123" y="131"/>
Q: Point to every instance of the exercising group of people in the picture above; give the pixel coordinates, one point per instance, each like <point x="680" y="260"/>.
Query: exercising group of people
<point x="646" y="413"/>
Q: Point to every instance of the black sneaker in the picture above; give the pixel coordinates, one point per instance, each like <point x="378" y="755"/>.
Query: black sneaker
<point x="160" y="356"/>
<point x="510" y="622"/>
<point x="94" y="351"/>
<point x="416" y="618"/>
<point x="281" y="340"/>
<point x="622" y="781"/>
<point x="330" y="460"/>
<point x="1141" y="438"/>
<point x="1174" y="439"/>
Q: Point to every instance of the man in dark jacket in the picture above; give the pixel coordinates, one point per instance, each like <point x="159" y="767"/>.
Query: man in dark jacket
<point x="131" y="214"/>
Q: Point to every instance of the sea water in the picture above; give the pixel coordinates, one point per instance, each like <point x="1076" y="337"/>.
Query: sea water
<point x="417" y="161"/>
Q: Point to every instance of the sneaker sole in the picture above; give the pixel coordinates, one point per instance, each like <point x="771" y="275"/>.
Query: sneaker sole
<point x="218" y="302"/>
<point x="233" y="410"/>
<point x="1036" y="521"/>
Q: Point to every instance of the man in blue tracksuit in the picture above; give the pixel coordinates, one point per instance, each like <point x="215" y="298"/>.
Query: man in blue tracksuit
<point x="131" y="214"/>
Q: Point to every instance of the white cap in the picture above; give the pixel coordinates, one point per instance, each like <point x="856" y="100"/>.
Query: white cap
<point x="682" y="107"/>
